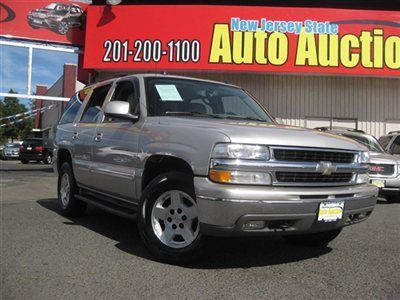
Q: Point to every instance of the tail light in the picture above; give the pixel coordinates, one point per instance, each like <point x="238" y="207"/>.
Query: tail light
<point x="39" y="148"/>
<point x="21" y="148"/>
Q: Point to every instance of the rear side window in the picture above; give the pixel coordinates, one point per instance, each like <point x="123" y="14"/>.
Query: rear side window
<point x="32" y="143"/>
<point x="93" y="111"/>
<point x="71" y="110"/>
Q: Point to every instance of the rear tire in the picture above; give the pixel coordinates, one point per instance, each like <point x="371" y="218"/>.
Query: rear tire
<point x="318" y="239"/>
<point x="67" y="189"/>
<point x="393" y="199"/>
<point x="167" y="219"/>
<point x="48" y="159"/>
<point x="24" y="161"/>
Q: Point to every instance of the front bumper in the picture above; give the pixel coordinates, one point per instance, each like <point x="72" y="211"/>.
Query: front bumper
<point x="11" y="155"/>
<point x="225" y="209"/>
<point x="391" y="185"/>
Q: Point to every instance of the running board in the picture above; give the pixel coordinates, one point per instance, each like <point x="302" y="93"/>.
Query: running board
<point x="107" y="206"/>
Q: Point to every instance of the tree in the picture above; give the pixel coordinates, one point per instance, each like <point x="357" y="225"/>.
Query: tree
<point x="11" y="106"/>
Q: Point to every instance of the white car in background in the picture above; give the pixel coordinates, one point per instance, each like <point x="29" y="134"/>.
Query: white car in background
<point x="384" y="167"/>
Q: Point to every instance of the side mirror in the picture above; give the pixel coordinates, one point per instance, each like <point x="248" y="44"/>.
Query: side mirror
<point x="119" y="109"/>
<point x="279" y="121"/>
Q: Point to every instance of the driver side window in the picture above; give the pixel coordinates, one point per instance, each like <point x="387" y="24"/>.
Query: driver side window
<point x="395" y="147"/>
<point x="125" y="91"/>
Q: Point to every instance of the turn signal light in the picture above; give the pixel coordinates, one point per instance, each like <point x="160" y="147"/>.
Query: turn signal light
<point x="220" y="176"/>
<point x="240" y="177"/>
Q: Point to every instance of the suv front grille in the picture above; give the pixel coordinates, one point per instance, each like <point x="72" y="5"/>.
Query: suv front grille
<point x="305" y="177"/>
<point x="313" y="156"/>
<point x="381" y="169"/>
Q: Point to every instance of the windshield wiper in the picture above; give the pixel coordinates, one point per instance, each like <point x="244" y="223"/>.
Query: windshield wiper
<point x="243" y="118"/>
<point x="190" y="113"/>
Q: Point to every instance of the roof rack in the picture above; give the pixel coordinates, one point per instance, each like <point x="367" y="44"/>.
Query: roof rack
<point x="325" y="128"/>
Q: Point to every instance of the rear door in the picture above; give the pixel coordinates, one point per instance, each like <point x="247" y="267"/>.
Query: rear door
<point x="84" y="133"/>
<point x="115" y="150"/>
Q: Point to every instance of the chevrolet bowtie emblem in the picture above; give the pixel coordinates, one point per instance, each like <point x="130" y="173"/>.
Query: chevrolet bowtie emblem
<point x="326" y="168"/>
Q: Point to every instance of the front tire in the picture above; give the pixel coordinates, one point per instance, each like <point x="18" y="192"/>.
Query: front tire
<point x="67" y="189"/>
<point x="168" y="219"/>
<point x="24" y="161"/>
<point x="318" y="239"/>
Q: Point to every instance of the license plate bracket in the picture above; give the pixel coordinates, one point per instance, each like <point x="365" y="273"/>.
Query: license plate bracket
<point x="330" y="211"/>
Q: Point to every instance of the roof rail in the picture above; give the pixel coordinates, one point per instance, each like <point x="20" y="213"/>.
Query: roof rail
<point x="394" y="131"/>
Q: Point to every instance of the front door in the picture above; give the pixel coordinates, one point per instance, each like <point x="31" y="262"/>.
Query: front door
<point x="115" y="150"/>
<point x="84" y="134"/>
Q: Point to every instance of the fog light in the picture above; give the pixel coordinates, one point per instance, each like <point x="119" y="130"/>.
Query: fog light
<point x="251" y="225"/>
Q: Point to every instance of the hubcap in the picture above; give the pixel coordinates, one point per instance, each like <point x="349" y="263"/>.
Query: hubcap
<point x="64" y="190"/>
<point x="49" y="159"/>
<point x="63" y="27"/>
<point x="174" y="219"/>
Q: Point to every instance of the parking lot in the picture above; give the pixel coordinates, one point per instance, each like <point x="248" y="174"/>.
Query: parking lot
<point x="45" y="255"/>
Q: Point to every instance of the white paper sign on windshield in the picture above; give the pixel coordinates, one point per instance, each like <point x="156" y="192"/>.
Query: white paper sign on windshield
<point x="168" y="92"/>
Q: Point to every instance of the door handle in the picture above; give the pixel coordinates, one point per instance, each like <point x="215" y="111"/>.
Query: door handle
<point x="98" y="137"/>
<point x="75" y="136"/>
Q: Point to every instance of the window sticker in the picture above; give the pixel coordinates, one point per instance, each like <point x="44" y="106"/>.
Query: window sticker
<point x="168" y="92"/>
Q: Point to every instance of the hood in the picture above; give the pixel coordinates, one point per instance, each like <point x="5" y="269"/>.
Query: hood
<point x="383" y="158"/>
<point x="250" y="132"/>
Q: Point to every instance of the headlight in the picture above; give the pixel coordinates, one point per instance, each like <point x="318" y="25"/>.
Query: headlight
<point x="363" y="157"/>
<point x="241" y="151"/>
<point x="362" y="178"/>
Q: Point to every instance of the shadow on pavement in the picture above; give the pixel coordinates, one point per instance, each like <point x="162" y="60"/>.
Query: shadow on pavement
<point x="44" y="169"/>
<point x="220" y="253"/>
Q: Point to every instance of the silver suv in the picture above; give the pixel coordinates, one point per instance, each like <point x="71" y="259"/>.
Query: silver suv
<point x="190" y="158"/>
<point x="384" y="168"/>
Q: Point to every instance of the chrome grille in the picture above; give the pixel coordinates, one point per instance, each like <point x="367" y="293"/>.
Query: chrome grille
<point x="381" y="169"/>
<point x="305" y="177"/>
<point x="303" y="155"/>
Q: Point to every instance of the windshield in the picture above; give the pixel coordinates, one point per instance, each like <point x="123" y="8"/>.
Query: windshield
<point x="173" y="96"/>
<point x="57" y="7"/>
<point x="369" y="141"/>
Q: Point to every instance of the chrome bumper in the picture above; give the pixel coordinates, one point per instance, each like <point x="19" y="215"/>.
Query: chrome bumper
<point x="225" y="209"/>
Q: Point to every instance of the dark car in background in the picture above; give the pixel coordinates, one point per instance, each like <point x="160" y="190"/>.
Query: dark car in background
<point x="59" y="17"/>
<point x="37" y="149"/>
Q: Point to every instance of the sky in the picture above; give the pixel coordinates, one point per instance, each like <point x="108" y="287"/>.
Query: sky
<point x="47" y="67"/>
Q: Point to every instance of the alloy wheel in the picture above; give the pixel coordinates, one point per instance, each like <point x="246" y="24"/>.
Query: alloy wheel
<point x="65" y="190"/>
<point x="174" y="219"/>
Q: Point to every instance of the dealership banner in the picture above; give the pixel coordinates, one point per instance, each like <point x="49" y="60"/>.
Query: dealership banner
<point x="61" y="21"/>
<point x="243" y="39"/>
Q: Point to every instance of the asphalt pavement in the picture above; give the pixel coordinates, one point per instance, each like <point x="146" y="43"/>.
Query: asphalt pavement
<point x="100" y="256"/>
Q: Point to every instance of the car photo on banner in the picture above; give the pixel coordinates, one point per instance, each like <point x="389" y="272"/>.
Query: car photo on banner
<point x="59" y="17"/>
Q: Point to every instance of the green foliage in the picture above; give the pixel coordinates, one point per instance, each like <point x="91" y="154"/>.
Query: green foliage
<point x="11" y="106"/>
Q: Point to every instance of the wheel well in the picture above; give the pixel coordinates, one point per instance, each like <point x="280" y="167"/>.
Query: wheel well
<point x="63" y="156"/>
<point x="159" y="164"/>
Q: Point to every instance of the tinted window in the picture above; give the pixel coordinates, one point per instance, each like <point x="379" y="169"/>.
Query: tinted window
<point x="32" y="143"/>
<point x="169" y="96"/>
<point x="93" y="111"/>
<point x="395" y="147"/>
<point x="384" y="140"/>
<point x="71" y="110"/>
<point x="369" y="141"/>
<point x="126" y="92"/>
